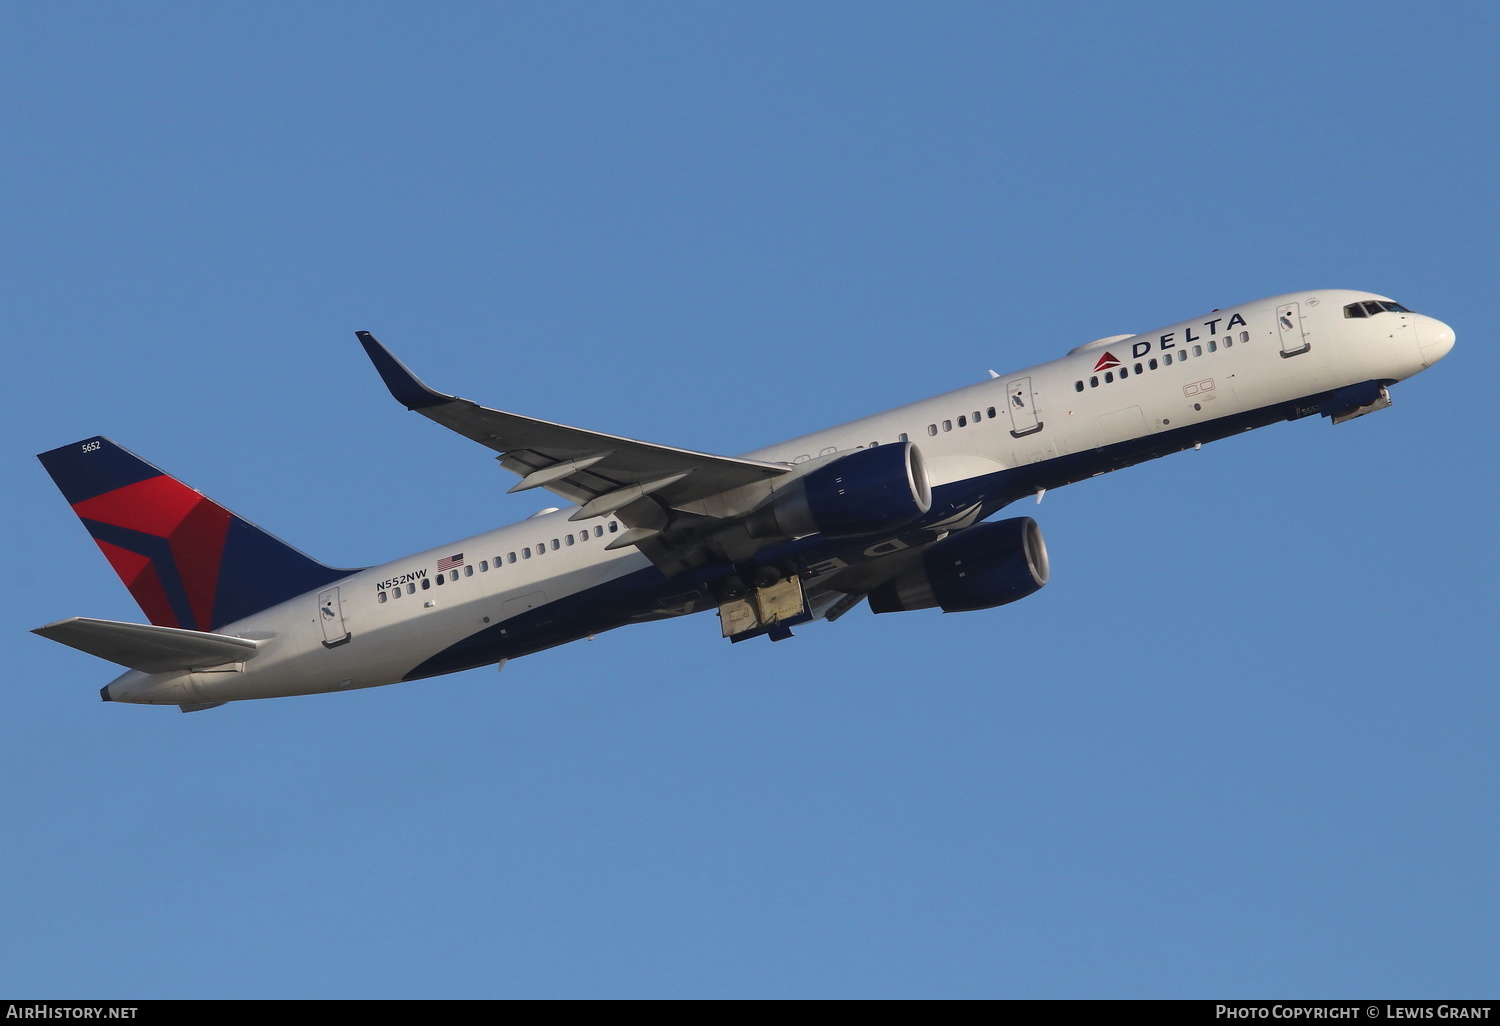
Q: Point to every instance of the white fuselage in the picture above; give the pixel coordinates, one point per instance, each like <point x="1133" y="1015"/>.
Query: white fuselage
<point x="388" y="619"/>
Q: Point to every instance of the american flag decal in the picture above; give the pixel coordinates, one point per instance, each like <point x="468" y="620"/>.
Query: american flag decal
<point x="457" y="559"/>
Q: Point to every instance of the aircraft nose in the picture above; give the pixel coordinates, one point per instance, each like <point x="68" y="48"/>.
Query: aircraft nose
<point x="1435" y="339"/>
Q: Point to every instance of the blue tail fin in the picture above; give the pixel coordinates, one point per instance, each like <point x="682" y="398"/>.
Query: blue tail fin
<point x="187" y="561"/>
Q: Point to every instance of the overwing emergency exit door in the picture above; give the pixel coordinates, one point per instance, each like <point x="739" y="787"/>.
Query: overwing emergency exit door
<point x="1022" y="405"/>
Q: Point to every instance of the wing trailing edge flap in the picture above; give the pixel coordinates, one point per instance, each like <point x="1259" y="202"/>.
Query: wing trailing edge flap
<point x="148" y="648"/>
<point x="603" y="473"/>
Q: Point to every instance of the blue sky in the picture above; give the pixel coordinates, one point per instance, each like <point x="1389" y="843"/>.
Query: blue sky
<point x="1243" y="744"/>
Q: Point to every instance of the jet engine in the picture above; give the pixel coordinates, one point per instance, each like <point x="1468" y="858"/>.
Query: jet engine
<point x="985" y="566"/>
<point x="868" y="491"/>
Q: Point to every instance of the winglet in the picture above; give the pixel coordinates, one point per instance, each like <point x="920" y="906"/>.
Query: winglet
<point x="404" y="385"/>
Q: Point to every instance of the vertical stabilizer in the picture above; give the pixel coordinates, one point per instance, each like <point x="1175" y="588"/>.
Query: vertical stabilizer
<point x="187" y="561"/>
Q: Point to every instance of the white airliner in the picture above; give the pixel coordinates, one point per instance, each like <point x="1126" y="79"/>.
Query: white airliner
<point x="889" y="509"/>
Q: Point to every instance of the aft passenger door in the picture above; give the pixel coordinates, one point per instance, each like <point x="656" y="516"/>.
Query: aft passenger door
<point x="1022" y="405"/>
<point x="331" y="616"/>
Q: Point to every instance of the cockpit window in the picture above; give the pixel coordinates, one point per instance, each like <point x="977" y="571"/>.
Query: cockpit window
<point x="1373" y="307"/>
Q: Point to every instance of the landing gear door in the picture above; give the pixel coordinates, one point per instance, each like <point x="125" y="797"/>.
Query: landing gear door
<point x="331" y="616"/>
<point x="1289" y="326"/>
<point x="1022" y="405"/>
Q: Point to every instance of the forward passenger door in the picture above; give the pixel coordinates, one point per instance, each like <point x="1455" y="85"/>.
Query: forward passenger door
<point x="1291" y="330"/>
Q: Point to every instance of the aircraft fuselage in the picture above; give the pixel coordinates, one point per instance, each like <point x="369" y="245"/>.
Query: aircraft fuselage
<point x="549" y="580"/>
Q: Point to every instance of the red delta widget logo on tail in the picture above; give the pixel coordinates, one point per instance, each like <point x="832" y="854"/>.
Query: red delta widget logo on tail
<point x="187" y="561"/>
<point x="160" y="530"/>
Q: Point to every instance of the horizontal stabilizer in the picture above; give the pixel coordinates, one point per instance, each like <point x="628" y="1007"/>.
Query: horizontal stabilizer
<point x="147" y="648"/>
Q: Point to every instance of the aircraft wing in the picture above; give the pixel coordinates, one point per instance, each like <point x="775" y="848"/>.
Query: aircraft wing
<point x="603" y="473"/>
<point x="144" y="647"/>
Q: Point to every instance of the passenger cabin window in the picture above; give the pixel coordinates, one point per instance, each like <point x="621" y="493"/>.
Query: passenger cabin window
<point x="932" y="429"/>
<point x="380" y="596"/>
<point x="439" y="580"/>
<point x="963" y="421"/>
<point x="1078" y="386"/>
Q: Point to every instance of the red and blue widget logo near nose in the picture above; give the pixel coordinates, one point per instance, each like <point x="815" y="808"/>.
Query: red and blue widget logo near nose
<point x="186" y="560"/>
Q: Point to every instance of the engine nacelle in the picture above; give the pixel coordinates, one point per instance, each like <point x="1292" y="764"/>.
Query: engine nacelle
<point x="868" y="491"/>
<point x="985" y="566"/>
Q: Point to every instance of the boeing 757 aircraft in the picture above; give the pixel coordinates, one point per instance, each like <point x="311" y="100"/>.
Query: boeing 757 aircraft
<point x="890" y="510"/>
